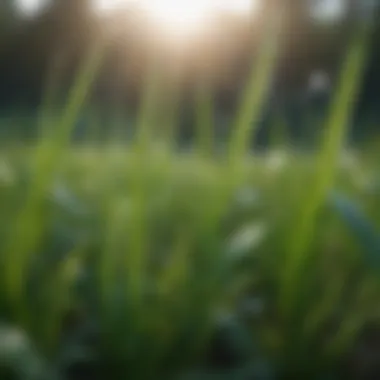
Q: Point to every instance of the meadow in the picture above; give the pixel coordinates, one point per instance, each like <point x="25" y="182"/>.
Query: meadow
<point x="143" y="262"/>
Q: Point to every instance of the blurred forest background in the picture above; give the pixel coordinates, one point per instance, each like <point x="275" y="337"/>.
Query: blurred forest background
<point x="53" y="42"/>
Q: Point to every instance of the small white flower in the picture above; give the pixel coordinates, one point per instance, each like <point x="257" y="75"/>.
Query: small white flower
<point x="276" y="161"/>
<point x="246" y="239"/>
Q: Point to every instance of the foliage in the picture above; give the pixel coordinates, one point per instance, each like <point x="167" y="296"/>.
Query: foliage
<point x="147" y="263"/>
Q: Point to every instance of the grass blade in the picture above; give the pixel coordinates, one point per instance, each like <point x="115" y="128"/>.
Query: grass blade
<point x="339" y="116"/>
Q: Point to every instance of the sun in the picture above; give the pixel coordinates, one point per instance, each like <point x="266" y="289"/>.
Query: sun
<point x="179" y="16"/>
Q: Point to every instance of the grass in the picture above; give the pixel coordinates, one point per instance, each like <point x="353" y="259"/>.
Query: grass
<point x="152" y="264"/>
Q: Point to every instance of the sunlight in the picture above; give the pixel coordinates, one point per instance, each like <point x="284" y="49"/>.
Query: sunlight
<point x="241" y="7"/>
<point x="104" y="6"/>
<point x="30" y="8"/>
<point x="186" y="16"/>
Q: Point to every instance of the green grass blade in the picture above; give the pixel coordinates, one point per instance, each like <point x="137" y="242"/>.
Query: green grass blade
<point x="148" y="108"/>
<point x="204" y="119"/>
<point x="298" y="252"/>
<point x="256" y="92"/>
<point x="29" y="225"/>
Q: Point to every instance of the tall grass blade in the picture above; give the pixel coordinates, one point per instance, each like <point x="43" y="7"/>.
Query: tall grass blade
<point x="51" y="91"/>
<point x="298" y="252"/>
<point x="256" y="92"/>
<point x="204" y="118"/>
<point x="148" y="107"/>
<point x="30" y="223"/>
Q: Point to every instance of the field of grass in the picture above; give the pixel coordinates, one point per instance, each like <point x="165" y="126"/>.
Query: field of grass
<point x="137" y="266"/>
<point x="144" y="263"/>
